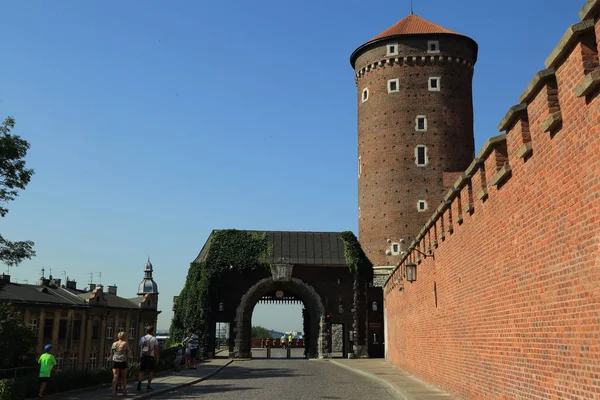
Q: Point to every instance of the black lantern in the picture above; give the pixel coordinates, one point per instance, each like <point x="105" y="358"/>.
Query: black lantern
<point x="411" y="272"/>
<point x="221" y="306"/>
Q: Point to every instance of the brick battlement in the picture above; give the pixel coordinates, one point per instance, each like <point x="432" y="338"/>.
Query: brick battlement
<point x="412" y="61"/>
<point x="506" y="302"/>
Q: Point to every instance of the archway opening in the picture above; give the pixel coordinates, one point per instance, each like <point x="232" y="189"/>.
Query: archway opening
<point x="313" y="315"/>
<point x="278" y="323"/>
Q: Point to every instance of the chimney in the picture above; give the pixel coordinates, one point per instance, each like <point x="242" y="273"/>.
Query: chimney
<point x="43" y="281"/>
<point x="175" y="302"/>
<point x="71" y="284"/>
<point x="91" y="287"/>
<point x="5" y="278"/>
<point x="112" y="290"/>
<point x="55" y="282"/>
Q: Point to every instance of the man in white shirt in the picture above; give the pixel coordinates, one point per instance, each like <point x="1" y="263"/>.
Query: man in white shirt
<point x="149" y="355"/>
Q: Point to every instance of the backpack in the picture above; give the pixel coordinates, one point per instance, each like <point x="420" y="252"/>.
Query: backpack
<point x="146" y="346"/>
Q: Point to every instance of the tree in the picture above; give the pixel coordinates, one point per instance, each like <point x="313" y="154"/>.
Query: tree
<point x="13" y="176"/>
<point x="259" y="332"/>
<point x="16" y="338"/>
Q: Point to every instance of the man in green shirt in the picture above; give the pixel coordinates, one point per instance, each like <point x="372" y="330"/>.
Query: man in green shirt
<point x="47" y="362"/>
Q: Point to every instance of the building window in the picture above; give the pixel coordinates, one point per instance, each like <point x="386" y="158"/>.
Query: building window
<point x="93" y="358"/>
<point x="62" y="329"/>
<point x="121" y="325"/>
<point x="95" y="330"/>
<point x="77" y="329"/>
<point x="421" y="155"/>
<point x="395" y="248"/>
<point x="365" y="94"/>
<point x="422" y="205"/>
<point x="392" y="49"/>
<point x="421" y="123"/>
<point x="393" y="85"/>
<point x="358" y="212"/>
<point x="73" y="358"/>
<point x="109" y="328"/>
<point x="48" y="324"/>
<point x="433" y="46"/>
<point x="359" y="167"/>
<point x="33" y="324"/>
<point x="132" y="330"/>
<point x="434" y="84"/>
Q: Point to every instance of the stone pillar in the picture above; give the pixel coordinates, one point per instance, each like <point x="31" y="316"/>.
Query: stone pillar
<point x="88" y="338"/>
<point x="40" y="336"/>
<point x="27" y="316"/>
<point x="81" y="348"/>
<point x="101" y="354"/>
<point x="55" y="327"/>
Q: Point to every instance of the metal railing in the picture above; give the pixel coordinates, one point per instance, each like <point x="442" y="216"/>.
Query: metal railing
<point x="81" y="366"/>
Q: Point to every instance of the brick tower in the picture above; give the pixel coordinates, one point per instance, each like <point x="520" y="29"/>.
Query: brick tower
<point x="415" y="129"/>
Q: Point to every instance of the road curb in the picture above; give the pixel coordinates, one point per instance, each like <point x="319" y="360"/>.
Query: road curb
<point x="400" y="394"/>
<point x="181" y="385"/>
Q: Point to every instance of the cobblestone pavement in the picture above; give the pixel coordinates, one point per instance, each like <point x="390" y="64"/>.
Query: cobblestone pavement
<point x="283" y="379"/>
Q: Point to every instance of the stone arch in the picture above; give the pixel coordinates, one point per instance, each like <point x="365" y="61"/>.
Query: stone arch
<point x="311" y="299"/>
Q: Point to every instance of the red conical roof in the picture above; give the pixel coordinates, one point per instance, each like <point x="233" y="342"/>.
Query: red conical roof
<point x="413" y="25"/>
<point x="410" y="25"/>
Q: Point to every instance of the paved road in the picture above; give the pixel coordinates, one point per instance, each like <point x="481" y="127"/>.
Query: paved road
<point x="281" y="379"/>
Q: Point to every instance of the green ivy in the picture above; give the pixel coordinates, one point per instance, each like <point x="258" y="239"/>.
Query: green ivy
<point x="360" y="266"/>
<point x="230" y="252"/>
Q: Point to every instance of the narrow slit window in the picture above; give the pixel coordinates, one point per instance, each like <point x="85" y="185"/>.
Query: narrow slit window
<point x="359" y="167"/>
<point x="392" y="49"/>
<point x="433" y="46"/>
<point x="393" y="85"/>
<point x="395" y="248"/>
<point x="422" y="205"/>
<point x="421" y="155"/>
<point x="365" y="94"/>
<point x="434" y="84"/>
<point x="421" y="123"/>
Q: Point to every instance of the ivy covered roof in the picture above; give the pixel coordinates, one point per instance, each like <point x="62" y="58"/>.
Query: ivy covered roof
<point x="298" y="248"/>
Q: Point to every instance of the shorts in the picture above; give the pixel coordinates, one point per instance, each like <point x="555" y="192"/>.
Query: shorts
<point x="119" y="365"/>
<point x="147" y="364"/>
<point x="193" y="353"/>
<point x="44" y="379"/>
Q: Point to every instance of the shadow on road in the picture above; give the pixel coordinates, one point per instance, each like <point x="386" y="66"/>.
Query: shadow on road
<point x="192" y="392"/>
<point x="240" y="372"/>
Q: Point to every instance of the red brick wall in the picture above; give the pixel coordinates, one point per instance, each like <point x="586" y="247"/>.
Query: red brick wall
<point x="517" y="283"/>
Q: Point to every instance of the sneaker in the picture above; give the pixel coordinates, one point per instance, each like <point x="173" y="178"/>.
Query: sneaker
<point x="139" y="386"/>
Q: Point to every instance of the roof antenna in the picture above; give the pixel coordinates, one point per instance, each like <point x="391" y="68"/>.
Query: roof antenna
<point x="411" y="7"/>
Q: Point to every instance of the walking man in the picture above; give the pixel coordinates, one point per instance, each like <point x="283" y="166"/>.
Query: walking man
<point x="47" y="363"/>
<point x="149" y="357"/>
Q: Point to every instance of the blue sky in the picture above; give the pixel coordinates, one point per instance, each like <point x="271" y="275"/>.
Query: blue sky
<point x="153" y="122"/>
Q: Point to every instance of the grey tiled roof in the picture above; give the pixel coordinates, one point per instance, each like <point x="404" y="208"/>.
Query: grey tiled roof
<point x="299" y="248"/>
<point x="19" y="293"/>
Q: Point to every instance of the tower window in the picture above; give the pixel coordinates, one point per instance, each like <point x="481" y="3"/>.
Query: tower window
<point x="434" y="84"/>
<point x="433" y="46"/>
<point x="392" y="49"/>
<point x="393" y="85"/>
<point x="421" y="155"/>
<point x="395" y="248"/>
<point x="359" y="167"/>
<point x="422" y="205"/>
<point x="365" y="94"/>
<point x="421" y="123"/>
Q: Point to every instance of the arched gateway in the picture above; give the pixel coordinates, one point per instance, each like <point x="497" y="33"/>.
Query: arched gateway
<point x="307" y="267"/>
<point x="282" y="281"/>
